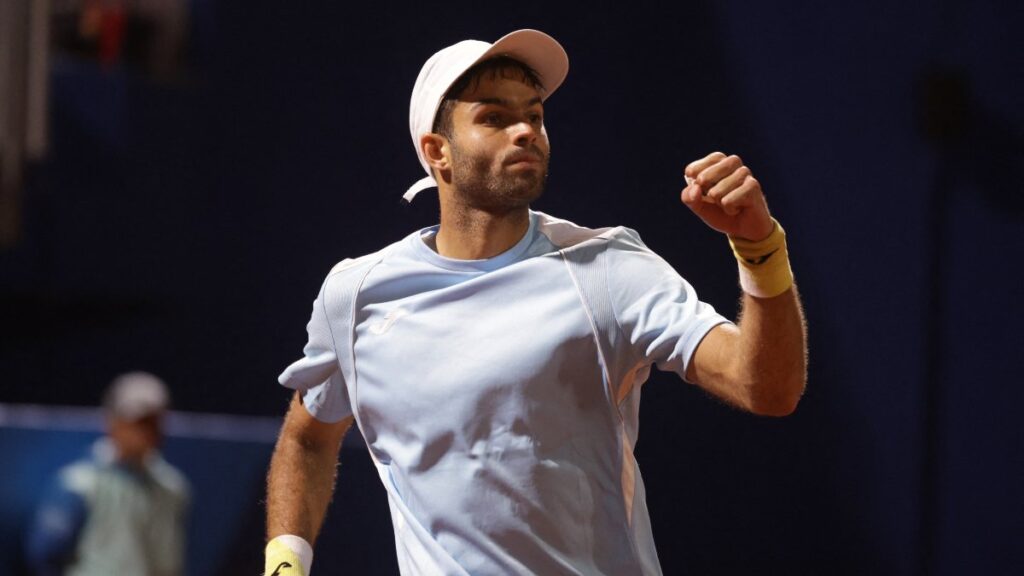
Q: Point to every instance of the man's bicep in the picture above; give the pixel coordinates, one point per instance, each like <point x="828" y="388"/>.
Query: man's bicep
<point x="712" y="365"/>
<point x="659" y="314"/>
<point x="302" y="425"/>
<point x="302" y="472"/>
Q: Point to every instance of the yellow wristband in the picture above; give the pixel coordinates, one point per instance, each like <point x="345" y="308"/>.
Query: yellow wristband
<point x="764" y="265"/>
<point x="285" y="557"/>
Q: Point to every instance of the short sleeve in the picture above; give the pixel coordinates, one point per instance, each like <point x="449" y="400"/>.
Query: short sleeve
<point x="317" y="374"/>
<point x="657" y="310"/>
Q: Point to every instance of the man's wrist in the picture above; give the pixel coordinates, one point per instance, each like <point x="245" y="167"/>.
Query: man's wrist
<point x="286" y="554"/>
<point x="764" y="265"/>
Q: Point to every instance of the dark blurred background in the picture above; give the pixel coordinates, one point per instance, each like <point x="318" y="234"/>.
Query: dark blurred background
<point x="178" y="179"/>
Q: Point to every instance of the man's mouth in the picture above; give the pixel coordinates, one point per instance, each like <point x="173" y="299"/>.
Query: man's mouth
<point x="524" y="158"/>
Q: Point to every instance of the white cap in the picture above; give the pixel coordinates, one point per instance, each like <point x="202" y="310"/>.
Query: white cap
<point x="136" y="395"/>
<point x="531" y="47"/>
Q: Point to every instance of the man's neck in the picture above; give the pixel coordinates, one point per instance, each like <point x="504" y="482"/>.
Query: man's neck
<point x="471" y="234"/>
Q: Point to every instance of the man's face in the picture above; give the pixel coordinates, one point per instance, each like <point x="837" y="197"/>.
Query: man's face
<point x="135" y="439"/>
<point x="499" y="148"/>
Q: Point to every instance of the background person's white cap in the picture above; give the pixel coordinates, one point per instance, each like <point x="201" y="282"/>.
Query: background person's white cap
<point x="531" y="47"/>
<point x="136" y="395"/>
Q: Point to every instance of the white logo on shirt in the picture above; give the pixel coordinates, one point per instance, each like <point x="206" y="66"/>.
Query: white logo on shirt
<point x="390" y="318"/>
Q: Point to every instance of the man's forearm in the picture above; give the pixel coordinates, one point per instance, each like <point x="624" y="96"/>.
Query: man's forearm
<point x="301" y="478"/>
<point x="299" y="488"/>
<point x="773" y="351"/>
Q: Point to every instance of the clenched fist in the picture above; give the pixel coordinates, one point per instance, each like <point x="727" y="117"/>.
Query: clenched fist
<point x="727" y="197"/>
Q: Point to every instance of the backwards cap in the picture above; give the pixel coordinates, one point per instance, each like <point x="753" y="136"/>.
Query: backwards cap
<point x="531" y="47"/>
<point x="136" y="395"/>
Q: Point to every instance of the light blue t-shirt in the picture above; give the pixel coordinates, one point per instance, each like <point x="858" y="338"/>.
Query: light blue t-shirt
<point x="499" y="398"/>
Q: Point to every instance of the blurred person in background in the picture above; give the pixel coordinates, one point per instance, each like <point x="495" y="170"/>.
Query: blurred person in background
<point x="120" y="510"/>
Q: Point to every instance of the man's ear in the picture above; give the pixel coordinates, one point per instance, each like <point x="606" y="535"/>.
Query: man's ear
<point x="435" y="151"/>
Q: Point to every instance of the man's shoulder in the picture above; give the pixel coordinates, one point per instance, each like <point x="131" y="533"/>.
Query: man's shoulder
<point x="569" y="237"/>
<point x="80" y="476"/>
<point x="350" y="265"/>
<point x="350" y="268"/>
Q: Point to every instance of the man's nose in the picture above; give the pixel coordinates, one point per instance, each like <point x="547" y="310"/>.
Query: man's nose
<point x="523" y="133"/>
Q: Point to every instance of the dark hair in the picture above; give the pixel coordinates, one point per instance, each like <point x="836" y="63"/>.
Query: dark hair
<point x="499" y="66"/>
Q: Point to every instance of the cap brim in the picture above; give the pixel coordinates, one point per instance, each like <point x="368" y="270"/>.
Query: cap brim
<point x="538" y="51"/>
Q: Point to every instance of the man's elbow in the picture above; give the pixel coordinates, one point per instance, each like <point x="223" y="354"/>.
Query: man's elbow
<point x="779" y="398"/>
<point x="776" y="409"/>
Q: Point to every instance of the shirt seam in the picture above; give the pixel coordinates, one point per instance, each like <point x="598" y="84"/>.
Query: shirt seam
<point x="635" y="358"/>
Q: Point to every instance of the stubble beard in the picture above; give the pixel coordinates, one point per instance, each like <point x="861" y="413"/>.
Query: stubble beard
<point x="476" y="186"/>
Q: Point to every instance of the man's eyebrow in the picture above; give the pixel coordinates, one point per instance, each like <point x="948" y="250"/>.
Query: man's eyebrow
<point x="504" y="102"/>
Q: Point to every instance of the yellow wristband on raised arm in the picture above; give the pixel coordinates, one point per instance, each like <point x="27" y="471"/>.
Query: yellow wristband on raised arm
<point x="764" y="265"/>
<point x="288" y="556"/>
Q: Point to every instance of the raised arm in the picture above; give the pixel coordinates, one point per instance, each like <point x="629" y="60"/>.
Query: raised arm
<point x="761" y="363"/>
<point x="300" y="484"/>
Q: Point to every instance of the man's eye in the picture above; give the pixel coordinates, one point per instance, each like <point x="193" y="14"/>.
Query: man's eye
<point x="536" y="118"/>
<point x="492" y="118"/>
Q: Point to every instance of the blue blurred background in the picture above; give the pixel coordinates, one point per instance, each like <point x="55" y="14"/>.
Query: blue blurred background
<point x="184" y="210"/>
